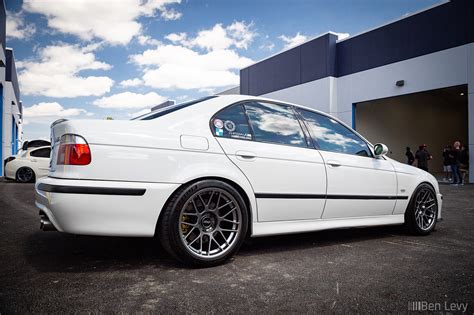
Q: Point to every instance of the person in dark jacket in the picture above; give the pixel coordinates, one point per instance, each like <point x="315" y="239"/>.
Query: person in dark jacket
<point x="456" y="161"/>
<point x="410" y="156"/>
<point x="422" y="157"/>
<point x="464" y="166"/>
<point x="447" y="163"/>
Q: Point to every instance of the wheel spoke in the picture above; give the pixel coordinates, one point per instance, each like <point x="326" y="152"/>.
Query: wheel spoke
<point x="209" y="245"/>
<point x="226" y="204"/>
<point x="228" y="230"/>
<point x="230" y="221"/>
<point x="189" y="233"/>
<point x="189" y="213"/>
<point x="218" y="200"/>
<point x="202" y="201"/>
<point x="187" y="223"/>
<point x="225" y="239"/>
<point x="210" y="199"/>
<point x="194" y="240"/>
<point x="195" y="206"/>
<point x="231" y="210"/>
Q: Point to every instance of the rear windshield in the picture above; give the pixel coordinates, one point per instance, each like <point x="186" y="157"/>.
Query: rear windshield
<point x="166" y="110"/>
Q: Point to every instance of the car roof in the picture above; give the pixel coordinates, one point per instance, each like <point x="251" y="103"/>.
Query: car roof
<point x="38" y="148"/>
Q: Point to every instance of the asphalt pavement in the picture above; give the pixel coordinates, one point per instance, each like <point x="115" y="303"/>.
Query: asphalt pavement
<point x="370" y="270"/>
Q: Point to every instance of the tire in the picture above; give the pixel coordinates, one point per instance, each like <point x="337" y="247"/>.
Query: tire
<point x="422" y="212"/>
<point x="204" y="223"/>
<point x="25" y="175"/>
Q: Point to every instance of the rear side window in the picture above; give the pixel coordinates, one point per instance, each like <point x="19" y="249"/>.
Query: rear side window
<point x="231" y="122"/>
<point x="273" y="123"/>
<point x="330" y="135"/>
<point x="41" y="153"/>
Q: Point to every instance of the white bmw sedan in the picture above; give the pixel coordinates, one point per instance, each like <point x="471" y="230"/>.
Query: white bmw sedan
<point x="205" y="175"/>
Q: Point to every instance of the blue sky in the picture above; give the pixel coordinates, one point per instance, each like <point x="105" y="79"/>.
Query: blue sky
<point x="89" y="59"/>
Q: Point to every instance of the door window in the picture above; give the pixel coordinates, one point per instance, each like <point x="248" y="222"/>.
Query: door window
<point x="231" y="122"/>
<point x="41" y="153"/>
<point x="329" y="135"/>
<point x="275" y="124"/>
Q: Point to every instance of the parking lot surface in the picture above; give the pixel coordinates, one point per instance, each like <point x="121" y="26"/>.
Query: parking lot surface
<point x="355" y="270"/>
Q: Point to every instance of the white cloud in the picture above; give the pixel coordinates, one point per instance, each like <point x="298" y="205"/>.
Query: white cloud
<point x="128" y="100"/>
<point x="16" y="27"/>
<point x="267" y="46"/>
<point x="131" y="82"/>
<point x="213" y="39"/>
<point x="238" y="34"/>
<point x="56" y="72"/>
<point x="172" y="66"/>
<point x="342" y="35"/>
<point x="293" y="41"/>
<point x="147" y="40"/>
<point x="171" y="15"/>
<point x="176" y="37"/>
<point x="46" y="113"/>
<point x="114" y="22"/>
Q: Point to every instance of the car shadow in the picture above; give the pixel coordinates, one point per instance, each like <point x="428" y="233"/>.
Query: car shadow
<point x="56" y="252"/>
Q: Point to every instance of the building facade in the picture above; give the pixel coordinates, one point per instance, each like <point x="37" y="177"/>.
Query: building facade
<point x="11" y="109"/>
<point x="406" y="83"/>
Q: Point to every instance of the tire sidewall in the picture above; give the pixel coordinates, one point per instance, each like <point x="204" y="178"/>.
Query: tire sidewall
<point x="181" y="251"/>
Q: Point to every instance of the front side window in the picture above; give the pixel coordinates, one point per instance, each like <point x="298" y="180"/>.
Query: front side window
<point x="275" y="124"/>
<point x="330" y="135"/>
<point x="231" y="122"/>
<point x="42" y="153"/>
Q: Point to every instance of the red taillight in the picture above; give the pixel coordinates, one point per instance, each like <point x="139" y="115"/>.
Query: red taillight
<point x="73" y="150"/>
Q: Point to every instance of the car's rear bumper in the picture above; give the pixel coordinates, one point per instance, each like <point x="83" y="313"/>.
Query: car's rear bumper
<point x="95" y="207"/>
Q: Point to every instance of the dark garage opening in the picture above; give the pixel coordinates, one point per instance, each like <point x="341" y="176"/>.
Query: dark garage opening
<point x="436" y="118"/>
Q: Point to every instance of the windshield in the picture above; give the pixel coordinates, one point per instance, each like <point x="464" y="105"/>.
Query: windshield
<point x="169" y="109"/>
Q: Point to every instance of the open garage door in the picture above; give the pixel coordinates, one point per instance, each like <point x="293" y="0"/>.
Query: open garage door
<point x="436" y="118"/>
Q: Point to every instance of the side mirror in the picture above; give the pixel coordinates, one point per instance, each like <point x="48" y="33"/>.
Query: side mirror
<point x="380" y="149"/>
<point x="25" y="146"/>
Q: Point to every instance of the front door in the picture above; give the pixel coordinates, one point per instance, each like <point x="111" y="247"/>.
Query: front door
<point x="267" y="143"/>
<point x="359" y="185"/>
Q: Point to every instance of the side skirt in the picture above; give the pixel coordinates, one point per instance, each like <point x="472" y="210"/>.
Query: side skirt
<point x="288" y="227"/>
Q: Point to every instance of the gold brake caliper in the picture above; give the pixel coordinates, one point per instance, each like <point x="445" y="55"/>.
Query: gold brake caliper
<point x="184" y="227"/>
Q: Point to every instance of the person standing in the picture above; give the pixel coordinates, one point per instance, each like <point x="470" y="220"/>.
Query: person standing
<point x="422" y="157"/>
<point x="464" y="166"/>
<point x="447" y="163"/>
<point x="456" y="157"/>
<point x="410" y="156"/>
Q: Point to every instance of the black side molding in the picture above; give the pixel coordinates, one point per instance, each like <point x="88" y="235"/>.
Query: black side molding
<point x="288" y="196"/>
<point x="311" y="196"/>
<point x="92" y="190"/>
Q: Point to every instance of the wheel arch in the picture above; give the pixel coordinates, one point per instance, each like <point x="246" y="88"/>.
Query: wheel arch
<point x="236" y="186"/>
<point x="413" y="194"/>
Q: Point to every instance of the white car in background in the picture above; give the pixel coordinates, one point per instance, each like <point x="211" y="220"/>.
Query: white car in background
<point x="205" y="175"/>
<point x="28" y="164"/>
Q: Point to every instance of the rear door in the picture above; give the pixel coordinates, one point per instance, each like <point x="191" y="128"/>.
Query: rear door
<point x="267" y="143"/>
<point x="40" y="158"/>
<point x="358" y="184"/>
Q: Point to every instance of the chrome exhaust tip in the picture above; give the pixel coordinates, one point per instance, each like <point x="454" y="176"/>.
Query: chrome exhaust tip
<point x="46" y="225"/>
